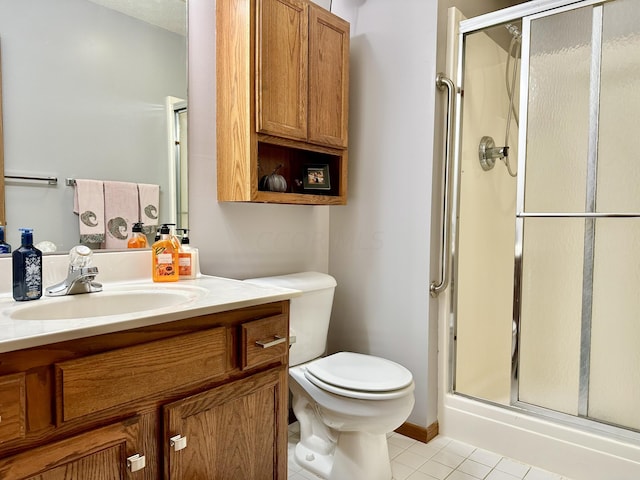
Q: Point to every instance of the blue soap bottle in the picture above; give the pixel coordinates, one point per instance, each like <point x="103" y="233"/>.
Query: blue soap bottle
<point x="27" y="269"/>
<point x="4" y="246"/>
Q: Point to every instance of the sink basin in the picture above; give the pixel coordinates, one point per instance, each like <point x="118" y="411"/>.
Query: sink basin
<point x="106" y="303"/>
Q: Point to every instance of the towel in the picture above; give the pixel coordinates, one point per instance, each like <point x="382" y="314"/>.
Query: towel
<point x="88" y="204"/>
<point x="149" y="199"/>
<point x="120" y="212"/>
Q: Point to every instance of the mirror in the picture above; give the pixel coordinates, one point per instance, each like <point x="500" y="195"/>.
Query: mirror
<point x="90" y="89"/>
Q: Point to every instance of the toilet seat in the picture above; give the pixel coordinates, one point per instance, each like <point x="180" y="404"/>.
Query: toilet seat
<point x="359" y="376"/>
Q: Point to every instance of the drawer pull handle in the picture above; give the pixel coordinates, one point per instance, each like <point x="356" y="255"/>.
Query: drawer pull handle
<point x="136" y="462"/>
<point x="178" y="442"/>
<point x="271" y="343"/>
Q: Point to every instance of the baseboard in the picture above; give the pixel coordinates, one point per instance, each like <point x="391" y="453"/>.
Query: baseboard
<point x="418" y="433"/>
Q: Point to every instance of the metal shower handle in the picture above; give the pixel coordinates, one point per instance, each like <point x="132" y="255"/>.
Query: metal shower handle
<point x="435" y="288"/>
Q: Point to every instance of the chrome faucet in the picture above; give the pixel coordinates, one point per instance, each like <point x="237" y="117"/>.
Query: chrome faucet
<point x="80" y="277"/>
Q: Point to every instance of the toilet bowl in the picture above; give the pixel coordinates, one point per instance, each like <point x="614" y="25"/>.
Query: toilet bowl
<point x="346" y="403"/>
<point x="344" y="420"/>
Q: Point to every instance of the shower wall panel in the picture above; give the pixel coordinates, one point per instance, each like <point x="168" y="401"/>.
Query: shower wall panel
<point x="486" y="230"/>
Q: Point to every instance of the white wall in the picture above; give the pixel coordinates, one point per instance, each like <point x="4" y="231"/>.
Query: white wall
<point x="379" y="242"/>
<point x="84" y="92"/>
<point x="238" y="240"/>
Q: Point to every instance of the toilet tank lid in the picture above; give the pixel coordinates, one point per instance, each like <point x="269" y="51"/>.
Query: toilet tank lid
<point x="303" y="281"/>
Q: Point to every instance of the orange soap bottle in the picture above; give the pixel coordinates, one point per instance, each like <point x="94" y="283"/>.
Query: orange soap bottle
<point x="138" y="239"/>
<point x="165" y="257"/>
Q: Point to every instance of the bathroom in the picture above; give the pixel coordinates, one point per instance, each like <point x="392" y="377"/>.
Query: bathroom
<point x="382" y="247"/>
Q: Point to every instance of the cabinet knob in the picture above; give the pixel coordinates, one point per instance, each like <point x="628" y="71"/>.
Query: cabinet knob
<point x="178" y="442"/>
<point x="136" y="462"/>
<point x="271" y="343"/>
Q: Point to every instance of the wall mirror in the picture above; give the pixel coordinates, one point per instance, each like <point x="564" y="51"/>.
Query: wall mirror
<point x="90" y="89"/>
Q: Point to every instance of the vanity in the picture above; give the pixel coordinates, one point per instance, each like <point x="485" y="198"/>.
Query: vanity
<point x="192" y="385"/>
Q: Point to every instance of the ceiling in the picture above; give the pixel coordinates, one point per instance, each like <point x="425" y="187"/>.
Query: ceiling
<point x="168" y="14"/>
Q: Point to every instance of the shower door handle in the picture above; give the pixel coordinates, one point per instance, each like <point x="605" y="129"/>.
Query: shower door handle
<point x="440" y="285"/>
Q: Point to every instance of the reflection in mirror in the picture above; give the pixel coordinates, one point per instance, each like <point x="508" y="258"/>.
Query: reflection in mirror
<point x="2" y="215"/>
<point x="89" y="92"/>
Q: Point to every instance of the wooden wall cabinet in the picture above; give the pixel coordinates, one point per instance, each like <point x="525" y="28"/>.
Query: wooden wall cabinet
<point x="282" y="99"/>
<point x="175" y="401"/>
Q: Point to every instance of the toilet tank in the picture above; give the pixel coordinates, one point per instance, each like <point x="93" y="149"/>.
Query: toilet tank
<point x="309" y="313"/>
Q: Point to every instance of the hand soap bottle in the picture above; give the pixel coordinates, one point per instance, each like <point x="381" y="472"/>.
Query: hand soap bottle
<point x="27" y="269"/>
<point x="138" y="239"/>
<point x="4" y="246"/>
<point x="188" y="257"/>
<point x="165" y="257"/>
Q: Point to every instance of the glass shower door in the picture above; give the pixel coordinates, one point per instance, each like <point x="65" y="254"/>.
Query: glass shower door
<point x="578" y="210"/>
<point x="614" y="376"/>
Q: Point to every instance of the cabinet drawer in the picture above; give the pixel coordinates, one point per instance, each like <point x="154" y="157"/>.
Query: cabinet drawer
<point x="12" y="407"/>
<point x="113" y="378"/>
<point x="264" y="341"/>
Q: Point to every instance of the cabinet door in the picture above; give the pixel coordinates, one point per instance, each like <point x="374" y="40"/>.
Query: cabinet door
<point x="97" y="455"/>
<point x="282" y="68"/>
<point x="236" y="431"/>
<point x="328" y="78"/>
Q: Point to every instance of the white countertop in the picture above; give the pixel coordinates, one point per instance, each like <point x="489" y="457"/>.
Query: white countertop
<point x="204" y="295"/>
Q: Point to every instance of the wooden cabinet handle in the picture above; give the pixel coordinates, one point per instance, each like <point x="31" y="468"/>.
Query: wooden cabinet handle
<point x="271" y="343"/>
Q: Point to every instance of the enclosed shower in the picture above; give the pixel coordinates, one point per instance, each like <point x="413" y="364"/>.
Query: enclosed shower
<point x="543" y="309"/>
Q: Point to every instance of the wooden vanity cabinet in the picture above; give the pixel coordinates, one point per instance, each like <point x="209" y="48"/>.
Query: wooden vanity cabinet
<point x="282" y="99"/>
<point x="171" y="401"/>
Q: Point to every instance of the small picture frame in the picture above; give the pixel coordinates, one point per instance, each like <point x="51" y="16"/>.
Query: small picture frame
<point x="316" y="177"/>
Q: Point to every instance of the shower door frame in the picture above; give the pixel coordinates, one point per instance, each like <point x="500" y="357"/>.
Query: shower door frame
<point x="526" y="13"/>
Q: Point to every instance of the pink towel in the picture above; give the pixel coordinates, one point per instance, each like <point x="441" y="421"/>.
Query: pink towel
<point x="120" y="212"/>
<point x="149" y="198"/>
<point x="88" y="203"/>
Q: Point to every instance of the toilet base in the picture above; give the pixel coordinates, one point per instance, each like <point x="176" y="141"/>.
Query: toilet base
<point x="358" y="455"/>
<point x="313" y="461"/>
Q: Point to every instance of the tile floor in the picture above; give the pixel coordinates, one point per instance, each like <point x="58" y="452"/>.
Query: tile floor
<point x="440" y="459"/>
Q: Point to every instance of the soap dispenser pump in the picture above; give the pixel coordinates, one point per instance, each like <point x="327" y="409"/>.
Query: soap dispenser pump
<point x="165" y="257"/>
<point x="27" y="269"/>
<point x="4" y="246"/>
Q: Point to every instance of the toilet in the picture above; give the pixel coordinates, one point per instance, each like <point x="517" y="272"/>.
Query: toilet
<point x="346" y="403"/>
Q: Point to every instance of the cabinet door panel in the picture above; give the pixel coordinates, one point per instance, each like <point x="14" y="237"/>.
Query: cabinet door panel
<point x="103" y="465"/>
<point x="233" y="431"/>
<point x="282" y="68"/>
<point x="12" y="407"/>
<point x="328" y="78"/>
<point x="97" y="455"/>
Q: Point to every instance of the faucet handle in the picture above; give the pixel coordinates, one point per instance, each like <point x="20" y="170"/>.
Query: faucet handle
<point x="80" y="257"/>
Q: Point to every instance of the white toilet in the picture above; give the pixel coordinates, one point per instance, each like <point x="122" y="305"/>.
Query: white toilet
<point x="346" y="403"/>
